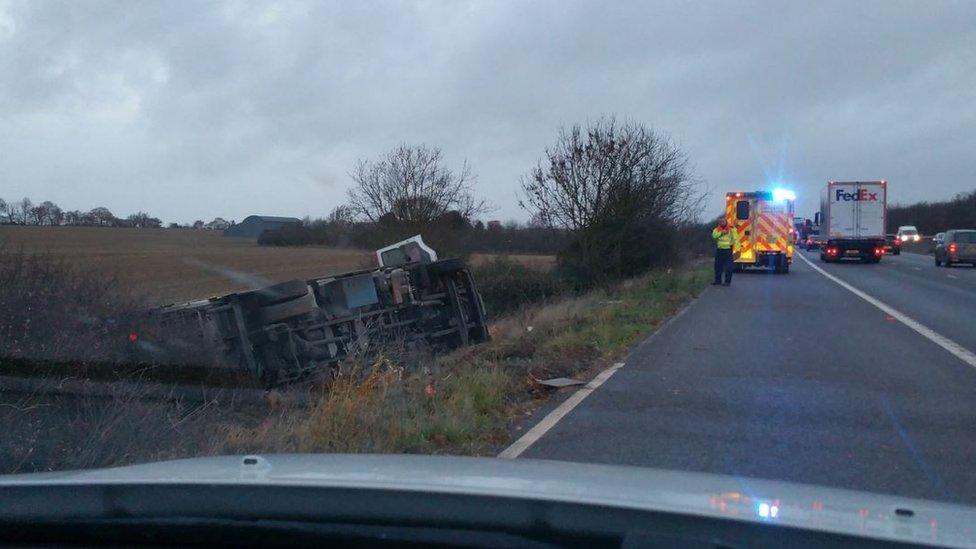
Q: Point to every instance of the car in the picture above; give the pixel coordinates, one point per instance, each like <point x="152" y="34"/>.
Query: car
<point x="908" y="232"/>
<point x="892" y="244"/>
<point x="450" y="501"/>
<point x="813" y="242"/>
<point x="958" y="246"/>
<point x="936" y="240"/>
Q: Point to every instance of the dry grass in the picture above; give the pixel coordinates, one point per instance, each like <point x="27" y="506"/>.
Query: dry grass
<point x="171" y="265"/>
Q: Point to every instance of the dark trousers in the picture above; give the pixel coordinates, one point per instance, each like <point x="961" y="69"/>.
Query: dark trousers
<point x="723" y="264"/>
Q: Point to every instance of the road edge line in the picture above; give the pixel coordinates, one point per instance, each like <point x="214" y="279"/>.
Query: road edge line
<point x="535" y="433"/>
<point x="949" y="345"/>
<point x="553" y="417"/>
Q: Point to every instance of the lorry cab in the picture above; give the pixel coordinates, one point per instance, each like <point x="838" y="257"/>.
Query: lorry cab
<point x="764" y="222"/>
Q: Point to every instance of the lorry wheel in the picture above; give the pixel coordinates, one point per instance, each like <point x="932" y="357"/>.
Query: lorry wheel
<point x="284" y="291"/>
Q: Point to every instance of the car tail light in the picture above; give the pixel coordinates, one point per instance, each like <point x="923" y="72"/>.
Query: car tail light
<point x="879" y="251"/>
<point x="953" y="247"/>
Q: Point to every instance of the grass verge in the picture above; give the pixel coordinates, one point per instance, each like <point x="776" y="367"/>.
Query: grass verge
<point x="466" y="402"/>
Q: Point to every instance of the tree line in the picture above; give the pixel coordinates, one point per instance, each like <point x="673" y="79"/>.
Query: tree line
<point x="935" y="217"/>
<point x="47" y="213"/>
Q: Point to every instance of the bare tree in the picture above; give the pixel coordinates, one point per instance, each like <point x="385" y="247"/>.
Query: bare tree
<point x="341" y="215"/>
<point x="23" y="212"/>
<point x="620" y="189"/>
<point x="53" y="214"/>
<point x="218" y="223"/>
<point x="102" y="217"/>
<point x="46" y="213"/>
<point x="38" y="214"/>
<point x="4" y="211"/>
<point x="75" y="217"/>
<point x="412" y="184"/>
<point x="143" y="220"/>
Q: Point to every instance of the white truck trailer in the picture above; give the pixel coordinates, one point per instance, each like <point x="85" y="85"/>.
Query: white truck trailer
<point x="853" y="216"/>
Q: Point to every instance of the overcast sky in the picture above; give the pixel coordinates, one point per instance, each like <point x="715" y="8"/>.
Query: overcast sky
<point x="200" y="109"/>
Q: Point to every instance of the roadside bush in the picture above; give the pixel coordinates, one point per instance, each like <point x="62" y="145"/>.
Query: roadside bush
<point x="506" y="285"/>
<point x="695" y="240"/>
<point x="620" y="191"/>
<point x="615" y="250"/>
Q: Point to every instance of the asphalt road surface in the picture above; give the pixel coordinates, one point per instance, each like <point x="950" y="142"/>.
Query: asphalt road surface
<point x="795" y="378"/>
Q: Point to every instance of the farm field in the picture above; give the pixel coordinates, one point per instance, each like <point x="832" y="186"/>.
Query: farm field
<point x="170" y="265"/>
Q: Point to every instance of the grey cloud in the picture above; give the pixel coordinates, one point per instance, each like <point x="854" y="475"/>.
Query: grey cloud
<point x="191" y="110"/>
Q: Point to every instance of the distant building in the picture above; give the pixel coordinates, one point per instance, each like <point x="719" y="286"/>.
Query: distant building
<point x="254" y="225"/>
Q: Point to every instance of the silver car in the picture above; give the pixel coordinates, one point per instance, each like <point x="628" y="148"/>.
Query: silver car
<point x="958" y="246"/>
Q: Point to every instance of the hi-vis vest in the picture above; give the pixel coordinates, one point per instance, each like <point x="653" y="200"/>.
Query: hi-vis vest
<point x="727" y="240"/>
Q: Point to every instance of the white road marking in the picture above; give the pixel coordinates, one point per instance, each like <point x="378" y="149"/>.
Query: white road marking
<point x="956" y="349"/>
<point x="952" y="276"/>
<point x="917" y="268"/>
<point x="541" y="428"/>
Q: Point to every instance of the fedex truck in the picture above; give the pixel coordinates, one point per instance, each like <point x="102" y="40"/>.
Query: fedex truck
<point x="853" y="219"/>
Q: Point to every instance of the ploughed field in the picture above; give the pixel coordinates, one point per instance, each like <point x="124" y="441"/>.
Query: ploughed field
<point x="171" y="265"/>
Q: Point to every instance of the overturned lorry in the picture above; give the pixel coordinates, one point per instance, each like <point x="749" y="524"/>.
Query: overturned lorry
<point x="290" y="330"/>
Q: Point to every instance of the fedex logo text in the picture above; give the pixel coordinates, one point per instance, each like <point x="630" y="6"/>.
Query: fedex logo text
<point x="860" y="195"/>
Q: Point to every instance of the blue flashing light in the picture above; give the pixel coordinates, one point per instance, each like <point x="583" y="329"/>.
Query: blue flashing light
<point x="782" y="195"/>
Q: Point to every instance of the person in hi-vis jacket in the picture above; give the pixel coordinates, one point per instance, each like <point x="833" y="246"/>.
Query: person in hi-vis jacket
<point x="726" y="242"/>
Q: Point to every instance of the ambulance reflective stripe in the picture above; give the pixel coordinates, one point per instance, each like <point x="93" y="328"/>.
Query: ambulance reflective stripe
<point x="773" y="232"/>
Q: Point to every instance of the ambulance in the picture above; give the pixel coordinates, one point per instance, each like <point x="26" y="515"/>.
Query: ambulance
<point x="764" y="222"/>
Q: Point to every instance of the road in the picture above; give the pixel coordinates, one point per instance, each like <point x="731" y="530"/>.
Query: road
<point x="795" y="378"/>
